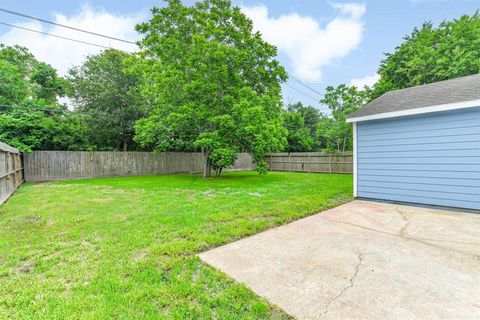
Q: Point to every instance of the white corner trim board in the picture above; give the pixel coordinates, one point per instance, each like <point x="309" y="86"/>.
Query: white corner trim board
<point x="413" y="111"/>
<point x="354" y="159"/>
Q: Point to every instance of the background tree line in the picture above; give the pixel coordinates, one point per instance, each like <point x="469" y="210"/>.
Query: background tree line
<point x="106" y="98"/>
<point x="204" y="81"/>
<point x="312" y="130"/>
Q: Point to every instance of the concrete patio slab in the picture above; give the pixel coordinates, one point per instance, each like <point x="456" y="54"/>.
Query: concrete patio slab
<point x="364" y="260"/>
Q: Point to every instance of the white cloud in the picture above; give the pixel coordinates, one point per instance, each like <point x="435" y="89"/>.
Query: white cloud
<point x="309" y="46"/>
<point x="63" y="54"/>
<point x="356" y="10"/>
<point x="369" y="81"/>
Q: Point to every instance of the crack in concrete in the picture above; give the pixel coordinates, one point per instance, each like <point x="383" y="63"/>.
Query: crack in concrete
<point x="406" y="238"/>
<point x="350" y="285"/>
<point x="407" y="222"/>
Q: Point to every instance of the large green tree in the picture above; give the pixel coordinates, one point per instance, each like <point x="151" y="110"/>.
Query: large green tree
<point x="332" y="130"/>
<point x="28" y="127"/>
<point x="310" y="115"/>
<point x="13" y="87"/>
<point x="301" y="124"/>
<point x="104" y="89"/>
<point x="431" y="54"/>
<point x="23" y="77"/>
<point x="214" y="84"/>
<point x="299" y="136"/>
<point x="30" y="116"/>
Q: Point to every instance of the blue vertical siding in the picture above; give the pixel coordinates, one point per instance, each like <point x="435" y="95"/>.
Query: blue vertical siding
<point x="431" y="158"/>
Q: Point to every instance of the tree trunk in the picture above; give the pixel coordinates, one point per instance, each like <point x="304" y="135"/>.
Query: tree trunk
<point x="125" y="145"/>
<point x="207" y="171"/>
<point x="207" y="167"/>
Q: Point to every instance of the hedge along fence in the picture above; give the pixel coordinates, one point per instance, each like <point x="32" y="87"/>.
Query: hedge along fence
<point x="62" y="165"/>
<point x="318" y="162"/>
<point x="11" y="171"/>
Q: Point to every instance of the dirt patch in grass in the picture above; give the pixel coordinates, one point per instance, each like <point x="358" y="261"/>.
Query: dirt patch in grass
<point x="31" y="218"/>
<point x="26" y="267"/>
<point x="140" y="255"/>
<point x="103" y="200"/>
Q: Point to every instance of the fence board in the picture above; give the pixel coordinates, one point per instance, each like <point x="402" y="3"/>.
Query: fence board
<point x="62" y="165"/>
<point x="318" y="162"/>
<point x="11" y="171"/>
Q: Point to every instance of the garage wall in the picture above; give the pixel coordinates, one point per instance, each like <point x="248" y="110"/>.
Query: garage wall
<point x="432" y="158"/>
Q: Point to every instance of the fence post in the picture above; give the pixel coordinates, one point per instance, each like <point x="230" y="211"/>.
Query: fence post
<point x="330" y="163"/>
<point x="11" y="175"/>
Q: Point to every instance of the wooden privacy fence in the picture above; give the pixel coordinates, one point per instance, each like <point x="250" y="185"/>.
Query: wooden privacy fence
<point x="311" y="162"/>
<point x="11" y="171"/>
<point x="63" y="165"/>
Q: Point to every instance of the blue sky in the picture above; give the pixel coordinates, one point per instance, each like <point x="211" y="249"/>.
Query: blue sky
<point x="320" y="42"/>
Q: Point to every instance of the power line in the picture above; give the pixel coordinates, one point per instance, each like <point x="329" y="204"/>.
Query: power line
<point x="117" y="39"/>
<point x="56" y="36"/>
<point x="65" y="26"/>
<point x="306" y="85"/>
<point x="307" y="95"/>
<point x="39" y="109"/>
<point x="55" y="110"/>
<point x="301" y="92"/>
<point x="104" y="36"/>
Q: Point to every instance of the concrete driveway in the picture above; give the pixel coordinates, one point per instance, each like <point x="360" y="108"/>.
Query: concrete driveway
<point x="364" y="260"/>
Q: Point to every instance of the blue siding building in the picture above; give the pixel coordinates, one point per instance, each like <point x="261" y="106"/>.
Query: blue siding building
<point x="421" y="145"/>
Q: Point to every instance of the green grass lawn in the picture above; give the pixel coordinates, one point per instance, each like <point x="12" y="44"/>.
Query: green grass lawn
<point x="126" y="247"/>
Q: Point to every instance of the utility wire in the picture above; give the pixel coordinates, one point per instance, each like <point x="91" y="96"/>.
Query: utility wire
<point x="56" y="36"/>
<point x="64" y="26"/>
<point x="301" y="92"/>
<point x="118" y="39"/>
<point x="55" y="110"/>
<point x="306" y="85"/>
<point x="39" y="109"/>
<point x="112" y="38"/>
<point x="307" y="95"/>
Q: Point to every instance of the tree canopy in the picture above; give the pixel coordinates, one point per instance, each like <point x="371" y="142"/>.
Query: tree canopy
<point x="30" y="116"/>
<point x="214" y="84"/>
<point x="24" y="77"/>
<point x="310" y="115"/>
<point x="301" y="123"/>
<point x="103" y="88"/>
<point x="431" y="54"/>
<point x="333" y="131"/>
